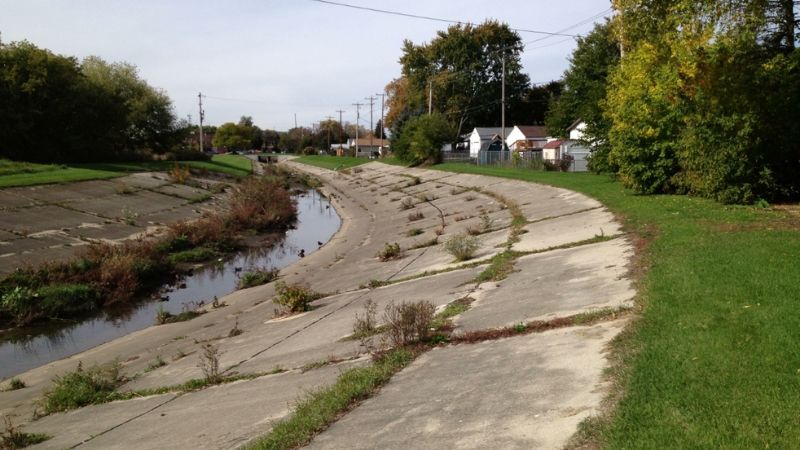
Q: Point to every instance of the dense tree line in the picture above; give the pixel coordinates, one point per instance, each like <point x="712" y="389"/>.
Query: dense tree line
<point x="704" y="100"/>
<point x="56" y="109"/>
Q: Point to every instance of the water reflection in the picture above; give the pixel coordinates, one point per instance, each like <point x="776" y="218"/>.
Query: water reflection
<point x="32" y="347"/>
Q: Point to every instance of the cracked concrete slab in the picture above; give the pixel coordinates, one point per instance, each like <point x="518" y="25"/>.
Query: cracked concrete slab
<point x="567" y="229"/>
<point x="554" y="284"/>
<point x="522" y="392"/>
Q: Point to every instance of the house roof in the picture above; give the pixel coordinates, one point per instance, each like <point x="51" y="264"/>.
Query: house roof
<point x="490" y="132"/>
<point x="376" y="142"/>
<point x="533" y="131"/>
<point x="574" y="124"/>
<point x="554" y="144"/>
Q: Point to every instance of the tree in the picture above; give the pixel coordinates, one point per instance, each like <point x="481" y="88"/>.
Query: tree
<point x="422" y="138"/>
<point x="585" y="87"/>
<point x="232" y="137"/>
<point x="379" y="130"/>
<point x="463" y="66"/>
<point x="706" y="99"/>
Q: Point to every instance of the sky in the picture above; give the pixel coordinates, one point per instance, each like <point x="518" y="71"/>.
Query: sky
<point x="272" y="59"/>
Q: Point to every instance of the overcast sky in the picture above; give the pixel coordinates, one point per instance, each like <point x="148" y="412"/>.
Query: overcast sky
<point x="270" y="59"/>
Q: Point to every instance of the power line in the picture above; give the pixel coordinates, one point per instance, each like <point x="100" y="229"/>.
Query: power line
<point x="435" y="19"/>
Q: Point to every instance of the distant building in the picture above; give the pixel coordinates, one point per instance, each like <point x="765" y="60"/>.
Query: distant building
<point x="486" y="138"/>
<point x="527" y="137"/>
<point x="367" y="146"/>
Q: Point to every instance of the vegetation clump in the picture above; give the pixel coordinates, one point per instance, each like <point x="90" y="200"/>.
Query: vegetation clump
<point x="390" y="251"/>
<point x="82" y="387"/>
<point x="13" y="437"/>
<point x="295" y="298"/>
<point x="408" y="322"/>
<point x="462" y="246"/>
<point x="257" y="276"/>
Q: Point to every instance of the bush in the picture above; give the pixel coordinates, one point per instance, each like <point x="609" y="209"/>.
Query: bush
<point x="187" y="154"/>
<point x="407" y="203"/>
<point x="408" y="322"/>
<point x="257" y="277"/>
<point x="390" y="251"/>
<point x="416" y="215"/>
<point x="421" y="139"/>
<point x="309" y="151"/>
<point x="195" y="255"/>
<point x="261" y="203"/>
<point x="295" y="298"/>
<point x="83" y="387"/>
<point x="462" y="246"/>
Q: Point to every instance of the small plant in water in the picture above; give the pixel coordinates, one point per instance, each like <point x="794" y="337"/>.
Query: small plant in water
<point x="462" y="246"/>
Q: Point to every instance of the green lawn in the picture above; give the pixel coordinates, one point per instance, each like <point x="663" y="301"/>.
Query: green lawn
<point x="332" y="162"/>
<point x="29" y="174"/>
<point x="713" y="360"/>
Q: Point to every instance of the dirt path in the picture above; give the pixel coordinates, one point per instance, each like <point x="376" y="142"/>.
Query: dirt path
<point x="526" y="391"/>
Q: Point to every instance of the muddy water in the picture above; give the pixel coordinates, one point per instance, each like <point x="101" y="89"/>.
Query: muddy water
<point x="317" y="222"/>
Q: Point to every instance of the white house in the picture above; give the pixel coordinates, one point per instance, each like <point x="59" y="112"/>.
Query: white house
<point x="482" y="137"/>
<point x="555" y="150"/>
<point x="527" y="137"/>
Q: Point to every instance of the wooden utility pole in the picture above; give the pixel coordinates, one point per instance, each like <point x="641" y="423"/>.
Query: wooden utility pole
<point x="202" y="115"/>
<point x="341" y="129"/>
<point x="371" y="130"/>
<point x="503" y="111"/>
<point x="358" y="117"/>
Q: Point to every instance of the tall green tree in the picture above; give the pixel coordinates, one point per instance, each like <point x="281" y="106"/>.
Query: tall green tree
<point x="232" y="136"/>
<point x="462" y="67"/>
<point x="422" y="138"/>
<point x="585" y="86"/>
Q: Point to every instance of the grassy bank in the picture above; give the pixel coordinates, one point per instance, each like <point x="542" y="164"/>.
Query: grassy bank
<point x="14" y="173"/>
<point x="712" y="362"/>
<point x="332" y="162"/>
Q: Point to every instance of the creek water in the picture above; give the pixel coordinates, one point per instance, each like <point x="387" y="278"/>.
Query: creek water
<point x="26" y="349"/>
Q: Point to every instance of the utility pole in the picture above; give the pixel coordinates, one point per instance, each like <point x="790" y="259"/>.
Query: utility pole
<point x="328" y="125"/>
<point x="202" y="115"/>
<point x="503" y="109"/>
<point x="430" y="97"/>
<point x="358" y="117"/>
<point x="371" y="130"/>
<point x="341" y="129"/>
<point x="383" y="98"/>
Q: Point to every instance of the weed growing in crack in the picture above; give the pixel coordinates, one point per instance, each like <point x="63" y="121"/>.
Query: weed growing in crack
<point x="83" y="387"/>
<point x="256" y="277"/>
<point x="155" y="364"/>
<point x="15" y="384"/>
<point x="390" y="251"/>
<point x="408" y="322"/>
<point x="235" y="331"/>
<point x="13" y="437"/>
<point x="208" y="362"/>
<point x="462" y="246"/>
<point x="414" y="232"/>
<point x="407" y="203"/>
<point x="295" y="298"/>
<point x="416" y="215"/>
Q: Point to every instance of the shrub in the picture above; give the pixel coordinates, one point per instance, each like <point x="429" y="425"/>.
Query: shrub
<point x="187" y="154"/>
<point x="407" y="203"/>
<point x="198" y="254"/>
<point x="462" y="246"/>
<point x="421" y="139"/>
<point x="413" y="232"/>
<point x="179" y="174"/>
<point x="256" y="277"/>
<point x="15" y="384"/>
<point x="13" y="437"/>
<point x="416" y="215"/>
<point x="83" y="387"/>
<point x="295" y="298"/>
<point x="408" y="322"/>
<point x="390" y="251"/>
<point x="208" y="362"/>
<point x="366" y="324"/>
<point x="309" y="151"/>
<point x="261" y="203"/>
